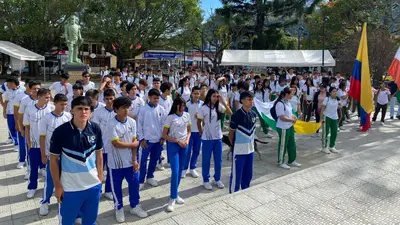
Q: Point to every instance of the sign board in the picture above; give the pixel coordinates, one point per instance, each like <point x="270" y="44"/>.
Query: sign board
<point x="162" y="55"/>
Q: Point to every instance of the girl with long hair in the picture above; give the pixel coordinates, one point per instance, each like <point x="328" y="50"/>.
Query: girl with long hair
<point x="295" y="102"/>
<point x="330" y="117"/>
<point x="267" y="90"/>
<point x="223" y="89"/>
<point x="259" y="93"/>
<point x="285" y="129"/>
<point x="344" y="99"/>
<point x="184" y="89"/>
<point x="308" y="93"/>
<point x="177" y="134"/>
<point x="208" y="123"/>
<point x="319" y="98"/>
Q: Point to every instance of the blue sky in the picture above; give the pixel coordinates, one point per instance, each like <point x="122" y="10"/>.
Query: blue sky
<point x="208" y="6"/>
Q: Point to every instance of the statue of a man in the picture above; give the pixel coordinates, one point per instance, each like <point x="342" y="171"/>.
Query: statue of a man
<point x="72" y="34"/>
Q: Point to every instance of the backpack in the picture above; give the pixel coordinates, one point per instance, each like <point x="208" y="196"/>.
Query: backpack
<point x="273" y="110"/>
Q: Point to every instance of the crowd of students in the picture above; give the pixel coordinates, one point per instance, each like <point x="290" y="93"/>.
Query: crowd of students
<point x="62" y="131"/>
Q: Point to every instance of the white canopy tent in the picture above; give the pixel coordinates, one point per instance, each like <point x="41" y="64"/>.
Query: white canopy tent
<point x="19" y="54"/>
<point x="277" y="58"/>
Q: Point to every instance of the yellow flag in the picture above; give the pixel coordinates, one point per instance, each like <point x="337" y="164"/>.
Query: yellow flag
<point x="301" y="127"/>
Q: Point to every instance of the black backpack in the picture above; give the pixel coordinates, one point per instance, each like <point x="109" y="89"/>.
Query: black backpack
<point x="273" y="110"/>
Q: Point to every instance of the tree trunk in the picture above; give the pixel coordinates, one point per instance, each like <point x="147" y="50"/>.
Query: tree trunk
<point x="259" y="27"/>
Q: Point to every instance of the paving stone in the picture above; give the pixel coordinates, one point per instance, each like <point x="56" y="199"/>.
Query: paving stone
<point x="193" y="217"/>
<point x="376" y="190"/>
<point x="219" y="211"/>
<point x="241" y="203"/>
<point x="262" y="195"/>
<point x="307" y="217"/>
<point x="238" y="220"/>
<point x="281" y="188"/>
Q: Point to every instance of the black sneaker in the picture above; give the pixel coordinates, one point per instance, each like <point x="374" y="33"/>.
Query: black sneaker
<point x="391" y="117"/>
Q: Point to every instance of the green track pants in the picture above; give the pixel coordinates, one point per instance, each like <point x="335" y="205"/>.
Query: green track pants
<point x="287" y="143"/>
<point x="330" y="127"/>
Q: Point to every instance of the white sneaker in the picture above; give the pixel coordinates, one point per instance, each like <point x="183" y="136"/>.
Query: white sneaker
<point x="141" y="186"/>
<point x="325" y="150"/>
<point x="43" y="172"/>
<point x="183" y="174"/>
<point x="9" y="141"/>
<point x="295" y="164"/>
<point x="207" y="185"/>
<point x="30" y="193"/>
<point x="284" y="166"/>
<point x="44" y="209"/>
<point x="20" y="165"/>
<point x="78" y="221"/>
<point x="333" y="150"/>
<point x="194" y="173"/>
<point x="26" y="177"/>
<point x="139" y="212"/>
<point x="152" y="182"/>
<point x="342" y="128"/>
<point x="179" y="200"/>
<point x="373" y="122"/>
<point x="315" y="135"/>
<point x="16" y="148"/>
<point x="382" y="124"/>
<point x="120" y="215"/>
<point x="170" y="206"/>
<point x="108" y="195"/>
<point x="220" y="184"/>
<point x="160" y="167"/>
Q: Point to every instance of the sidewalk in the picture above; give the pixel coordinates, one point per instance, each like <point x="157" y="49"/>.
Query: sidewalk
<point x="359" y="179"/>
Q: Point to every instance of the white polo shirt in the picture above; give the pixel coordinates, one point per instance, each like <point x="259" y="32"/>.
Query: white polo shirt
<point x="32" y="117"/>
<point x="88" y="86"/>
<point x="341" y="94"/>
<point x="166" y="103"/>
<point x="58" y="87"/>
<point x="185" y="93"/>
<point x="331" y="108"/>
<point x="283" y="108"/>
<point x="177" y="125"/>
<point x="49" y="123"/>
<point x="211" y="127"/>
<point x="193" y="108"/>
<point x="137" y="103"/>
<point x="382" y="98"/>
<point x="310" y="95"/>
<point x="10" y="95"/>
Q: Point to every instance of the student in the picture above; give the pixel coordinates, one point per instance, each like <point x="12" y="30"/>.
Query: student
<point x="211" y="81"/>
<point x="135" y="78"/>
<point x="330" y="117"/>
<point x="208" y="123"/>
<point x="150" y="124"/>
<point x="282" y="85"/>
<point x="319" y="98"/>
<point x="47" y="126"/>
<point x="142" y="91"/>
<point x="122" y="158"/>
<point x="259" y="93"/>
<point x="87" y="84"/>
<point x="116" y="78"/>
<point x="184" y="89"/>
<point x="61" y="87"/>
<point x="295" y="102"/>
<point x="105" y="84"/>
<point x="223" y="88"/>
<point x="381" y="103"/>
<point x="308" y="95"/>
<point x="242" y="86"/>
<point x="137" y="102"/>
<point x="343" y="96"/>
<point x="77" y="90"/>
<point x="267" y="90"/>
<point x="93" y="94"/>
<point x="393" y="100"/>
<point x="149" y="77"/>
<point x="32" y="122"/>
<point x="284" y="127"/>
<point x="102" y="116"/>
<point x="79" y="147"/>
<point x="242" y="126"/>
<point x="165" y="98"/>
<point x="177" y="134"/>
<point x="123" y="92"/>
<point x="193" y="107"/>
<point x="203" y="92"/>
<point x="231" y="95"/>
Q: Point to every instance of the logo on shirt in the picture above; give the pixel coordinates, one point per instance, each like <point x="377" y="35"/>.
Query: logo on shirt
<point x="91" y="139"/>
<point x="254" y="119"/>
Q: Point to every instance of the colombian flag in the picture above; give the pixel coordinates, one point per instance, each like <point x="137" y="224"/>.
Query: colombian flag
<point x="360" y="84"/>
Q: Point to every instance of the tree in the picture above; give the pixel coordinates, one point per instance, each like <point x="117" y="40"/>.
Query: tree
<point x="126" y="23"/>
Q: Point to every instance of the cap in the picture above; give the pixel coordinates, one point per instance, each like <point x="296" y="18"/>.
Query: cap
<point x="246" y="94"/>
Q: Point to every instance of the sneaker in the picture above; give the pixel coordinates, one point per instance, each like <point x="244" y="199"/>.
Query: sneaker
<point x="30" y="193"/>
<point x="120" y="215"/>
<point x="391" y="117"/>
<point x="179" y="200"/>
<point x="295" y="164"/>
<point x="141" y="186"/>
<point x="108" y="195"/>
<point x="43" y="172"/>
<point x="333" y="150"/>
<point x="220" y="184"/>
<point x="315" y="135"/>
<point x="16" y="148"/>
<point x="26" y="177"/>
<point x="44" y="209"/>
<point x="20" y="165"/>
<point x="382" y="123"/>
<point x="170" y="206"/>
<point x="325" y="150"/>
<point x="342" y="128"/>
<point x="78" y="221"/>
<point x="139" y="212"/>
<point x="373" y="122"/>
<point x="347" y="121"/>
<point x="183" y="174"/>
<point x="207" y="185"/>
<point x="9" y="141"/>
<point x="194" y="173"/>
<point x="152" y="182"/>
<point x="284" y="166"/>
<point x="160" y="167"/>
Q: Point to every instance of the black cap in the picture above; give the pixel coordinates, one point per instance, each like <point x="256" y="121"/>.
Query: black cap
<point x="246" y="94"/>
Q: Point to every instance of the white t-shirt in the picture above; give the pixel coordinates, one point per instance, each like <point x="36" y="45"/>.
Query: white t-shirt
<point x="343" y="102"/>
<point x="202" y="79"/>
<point x="316" y="81"/>
<point x="279" y="88"/>
<point x="310" y="95"/>
<point x="289" y="76"/>
<point x="193" y="108"/>
<point x="212" y="127"/>
<point x="211" y="84"/>
<point x="25" y="103"/>
<point x="177" y="125"/>
<point x="382" y="98"/>
<point x="102" y="116"/>
<point x="125" y="131"/>
<point x="302" y="83"/>
<point x="237" y="98"/>
<point x="223" y="92"/>
<point x="283" y="109"/>
<point x="259" y="95"/>
<point x="10" y="96"/>
<point x="185" y="94"/>
<point x="135" y="107"/>
<point x="267" y="94"/>
<point x="96" y="109"/>
<point x="49" y="123"/>
<point x="18" y="99"/>
<point x="331" y="107"/>
<point x="173" y="80"/>
<point x="58" y="87"/>
<point x="32" y="117"/>
<point x="294" y="102"/>
<point x="192" y="81"/>
<point x="166" y="103"/>
<point x="88" y="86"/>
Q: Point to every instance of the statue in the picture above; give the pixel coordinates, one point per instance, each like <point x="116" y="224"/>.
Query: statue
<point x="73" y="39"/>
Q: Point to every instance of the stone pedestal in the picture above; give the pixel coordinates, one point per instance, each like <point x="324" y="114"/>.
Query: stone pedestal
<point x="75" y="71"/>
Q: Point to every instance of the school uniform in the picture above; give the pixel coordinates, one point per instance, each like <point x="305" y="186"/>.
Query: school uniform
<point x="59" y="88"/>
<point x="89" y="86"/>
<point x="285" y="130"/>
<point x="150" y="125"/>
<point x="331" y="121"/>
<point x="79" y="176"/>
<point x="244" y="124"/>
<point x="166" y="103"/>
<point x="21" y="139"/>
<point x="137" y="103"/>
<point x="101" y="118"/>
<point x="184" y="92"/>
<point x="212" y="141"/>
<point x="32" y="117"/>
<point x="294" y="102"/>
<point x="381" y="103"/>
<point x="47" y="126"/>
<point x="10" y="95"/>
<point x="308" y="106"/>
<point x="343" y="103"/>
<point x="195" y="139"/>
<point x="177" y="128"/>
<point x="119" y="160"/>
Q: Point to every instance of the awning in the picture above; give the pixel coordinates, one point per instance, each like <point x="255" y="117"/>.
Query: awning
<point x="277" y="58"/>
<point x="19" y="52"/>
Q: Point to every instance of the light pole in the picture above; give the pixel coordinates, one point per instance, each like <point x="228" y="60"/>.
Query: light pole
<point x="299" y="33"/>
<point x="324" y="19"/>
